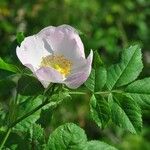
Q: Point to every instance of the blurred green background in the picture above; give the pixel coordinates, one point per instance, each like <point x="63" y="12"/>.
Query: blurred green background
<point x="105" y="25"/>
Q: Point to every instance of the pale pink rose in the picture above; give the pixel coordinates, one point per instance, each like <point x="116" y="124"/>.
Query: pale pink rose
<point x="56" y="54"/>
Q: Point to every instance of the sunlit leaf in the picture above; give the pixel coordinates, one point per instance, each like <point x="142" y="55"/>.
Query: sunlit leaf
<point x="67" y="136"/>
<point x="8" y="67"/>
<point x="127" y="70"/>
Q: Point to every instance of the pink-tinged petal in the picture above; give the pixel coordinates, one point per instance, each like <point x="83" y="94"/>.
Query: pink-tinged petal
<point x="31" y="51"/>
<point x="81" y="74"/>
<point x="46" y="75"/>
<point x="64" y="40"/>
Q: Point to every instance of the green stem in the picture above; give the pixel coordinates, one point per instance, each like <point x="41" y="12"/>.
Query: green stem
<point x="33" y="111"/>
<point x="37" y="108"/>
<point x="77" y="93"/>
<point x="5" y="138"/>
<point x="28" y="114"/>
<point x="108" y="92"/>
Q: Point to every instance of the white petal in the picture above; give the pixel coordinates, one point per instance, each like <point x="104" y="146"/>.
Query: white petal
<point x="31" y="51"/>
<point x="80" y="74"/>
<point x="46" y="75"/>
<point x="64" y="40"/>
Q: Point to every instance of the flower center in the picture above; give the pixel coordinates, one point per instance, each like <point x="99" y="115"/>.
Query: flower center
<point x="59" y="63"/>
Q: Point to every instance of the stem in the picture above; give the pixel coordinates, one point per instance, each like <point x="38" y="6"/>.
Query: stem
<point x="28" y="114"/>
<point x="77" y="93"/>
<point x="5" y="138"/>
<point x="33" y="111"/>
<point x="36" y="109"/>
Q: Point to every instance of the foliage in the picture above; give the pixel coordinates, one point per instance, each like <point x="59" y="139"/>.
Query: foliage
<point x="70" y="136"/>
<point x="125" y="111"/>
<point x="114" y="99"/>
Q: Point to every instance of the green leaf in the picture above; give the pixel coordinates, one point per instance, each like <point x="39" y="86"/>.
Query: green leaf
<point x="127" y="70"/>
<point x="26" y="107"/>
<point x="20" y="37"/>
<point x="140" y="92"/>
<point x="90" y="82"/>
<point x="97" y="145"/>
<point x="36" y="137"/>
<point x="98" y="76"/>
<point x="125" y="113"/>
<point x="71" y="137"/>
<point x="8" y="67"/>
<point x="99" y="109"/>
<point x="97" y="79"/>
<point x="97" y="60"/>
<point x="61" y="95"/>
<point x="67" y="137"/>
<point x="28" y="85"/>
<point x="100" y="72"/>
<point x="46" y="117"/>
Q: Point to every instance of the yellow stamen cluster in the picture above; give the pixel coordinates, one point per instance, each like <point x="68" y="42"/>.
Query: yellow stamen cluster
<point x="59" y="63"/>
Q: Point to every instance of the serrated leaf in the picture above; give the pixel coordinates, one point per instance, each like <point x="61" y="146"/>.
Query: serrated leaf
<point x="28" y="85"/>
<point x="100" y="72"/>
<point x="97" y="145"/>
<point x="36" y="137"/>
<point x="97" y="60"/>
<point x="8" y="67"/>
<point x="140" y="92"/>
<point x="127" y="70"/>
<point x="90" y="82"/>
<point x="98" y="76"/>
<point x="125" y="113"/>
<point x="97" y="79"/>
<point x="99" y="110"/>
<point x="60" y="96"/>
<point x="26" y="107"/>
<point x="67" y="137"/>
<point x="37" y="133"/>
